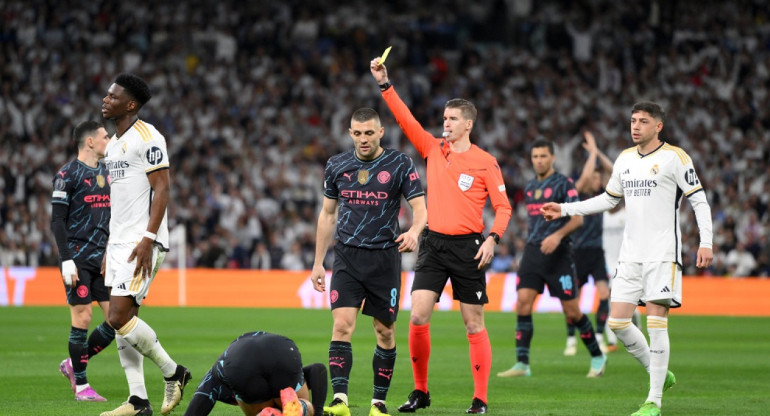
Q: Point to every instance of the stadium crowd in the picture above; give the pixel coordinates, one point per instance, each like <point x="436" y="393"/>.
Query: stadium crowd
<point x="253" y="97"/>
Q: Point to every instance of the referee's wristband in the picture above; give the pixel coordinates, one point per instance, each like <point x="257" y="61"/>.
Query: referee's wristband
<point x="151" y="236"/>
<point x="385" y="86"/>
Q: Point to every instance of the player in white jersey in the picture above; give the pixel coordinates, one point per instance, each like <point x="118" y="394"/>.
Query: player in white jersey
<point x="138" y="163"/>
<point x="653" y="177"/>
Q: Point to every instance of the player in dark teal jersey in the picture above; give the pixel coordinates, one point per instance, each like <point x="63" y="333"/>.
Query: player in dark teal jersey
<point x="254" y="372"/>
<point x="548" y="261"/>
<point x="589" y="253"/>
<point x="80" y="221"/>
<point x="367" y="184"/>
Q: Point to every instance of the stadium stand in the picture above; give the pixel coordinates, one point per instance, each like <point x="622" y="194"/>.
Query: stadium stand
<point x="253" y="98"/>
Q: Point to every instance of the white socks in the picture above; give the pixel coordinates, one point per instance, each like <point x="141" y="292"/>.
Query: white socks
<point x="633" y="339"/>
<point x="653" y="357"/>
<point x="660" y="351"/>
<point x="132" y="362"/>
<point x="144" y="339"/>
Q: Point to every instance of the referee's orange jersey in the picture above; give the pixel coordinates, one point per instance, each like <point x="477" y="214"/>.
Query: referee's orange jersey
<point x="458" y="183"/>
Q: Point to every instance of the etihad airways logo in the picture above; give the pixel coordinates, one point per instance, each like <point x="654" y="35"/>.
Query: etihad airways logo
<point x="363" y="197"/>
<point x="350" y="193"/>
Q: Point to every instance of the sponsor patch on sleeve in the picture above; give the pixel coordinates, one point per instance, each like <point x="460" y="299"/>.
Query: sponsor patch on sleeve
<point x="501" y="188"/>
<point x="59" y="194"/>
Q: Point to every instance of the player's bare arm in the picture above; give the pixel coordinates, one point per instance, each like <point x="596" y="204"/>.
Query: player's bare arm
<point x="589" y="144"/>
<point x="551" y="243"/>
<point x="324" y="233"/>
<point x="160" y="183"/>
<point x="408" y="240"/>
<point x="551" y="211"/>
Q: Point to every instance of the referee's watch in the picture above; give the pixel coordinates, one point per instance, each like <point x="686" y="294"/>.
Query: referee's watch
<point x="495" y="237"/>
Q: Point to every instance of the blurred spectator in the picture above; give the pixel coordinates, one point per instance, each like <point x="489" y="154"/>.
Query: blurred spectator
<point x="740" y="262"/>
<point x="255" y="98"/>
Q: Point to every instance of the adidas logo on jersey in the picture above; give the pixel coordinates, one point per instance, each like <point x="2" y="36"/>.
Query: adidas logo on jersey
<point x="665" y="290"/>
<point x="122" y="286"/>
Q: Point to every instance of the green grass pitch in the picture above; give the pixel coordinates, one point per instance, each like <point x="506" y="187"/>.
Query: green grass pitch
<point x="722" y="363"/>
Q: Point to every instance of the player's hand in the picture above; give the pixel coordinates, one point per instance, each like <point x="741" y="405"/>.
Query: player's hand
<point x="705" y="257"/>
<point x="318" y="277"/>
<point x="69" y="273"/>
<point x="143" y="255"/>
<point x="590" y="142"/>
<point x="486" y="253"/>
<point x="379" y="72"/>
<point x="407" y="242"/>
<point x="550" y="211"/>
<point x="550" y="244"/>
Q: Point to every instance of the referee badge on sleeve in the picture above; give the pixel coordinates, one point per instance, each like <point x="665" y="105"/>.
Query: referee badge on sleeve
<point x="465" y="182"/>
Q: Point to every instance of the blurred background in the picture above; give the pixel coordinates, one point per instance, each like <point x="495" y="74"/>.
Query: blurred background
<point x="253" y="97"/>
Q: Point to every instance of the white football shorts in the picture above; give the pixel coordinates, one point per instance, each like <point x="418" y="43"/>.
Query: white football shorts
<point x="657" y="282"/>
<point x="119" y="272"/>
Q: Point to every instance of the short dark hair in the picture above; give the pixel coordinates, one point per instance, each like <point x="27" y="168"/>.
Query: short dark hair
<point x="365" y="114"/>
<point x="466" y="107"/>
<point x="135" y="86"/>
<point x="83" y="130"/>
<point x="651" y="108"/>
<point x="542" y="143"/>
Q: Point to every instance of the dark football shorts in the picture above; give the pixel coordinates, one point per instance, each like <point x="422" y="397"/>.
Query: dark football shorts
<point x="360" y="274"/>
<point x="443" y="257"/>
<point x="90" y="286"/>
<point x="258" y="365"/>
<point x="555" y="270"/>
<point x="590" y="261"/>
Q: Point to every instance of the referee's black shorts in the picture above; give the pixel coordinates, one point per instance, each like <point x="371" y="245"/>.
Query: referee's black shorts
<point x="443" y="257"/>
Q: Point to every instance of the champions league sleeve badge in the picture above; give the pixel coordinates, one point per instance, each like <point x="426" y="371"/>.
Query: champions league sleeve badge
<point x="465" y="182"/>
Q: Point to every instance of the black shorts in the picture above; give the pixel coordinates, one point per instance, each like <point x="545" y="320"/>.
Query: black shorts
<point x="443" y="257"/>
<point x="90" y="286"/>
<point x="258" y="365"/>
<point x="362" y="274"/>
<point x="590" y="261"/>
<point x="556" y="270"/>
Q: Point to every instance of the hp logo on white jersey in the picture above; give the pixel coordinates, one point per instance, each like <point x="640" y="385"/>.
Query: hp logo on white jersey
<point x="691" y="177"/>
<point x="154" y="156"/>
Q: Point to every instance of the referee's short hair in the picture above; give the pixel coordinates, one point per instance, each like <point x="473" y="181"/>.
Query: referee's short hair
<point x="467" y="109"/>
<point x="135" y="86"/>
<point x="651" y="108"/>
<point x="83" y="130"/>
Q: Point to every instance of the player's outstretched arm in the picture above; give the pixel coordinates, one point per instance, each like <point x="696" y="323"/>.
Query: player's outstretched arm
<point x="551" y="211"/>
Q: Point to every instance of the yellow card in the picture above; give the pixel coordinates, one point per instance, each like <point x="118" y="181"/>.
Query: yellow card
<point x="385" y="55"/>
